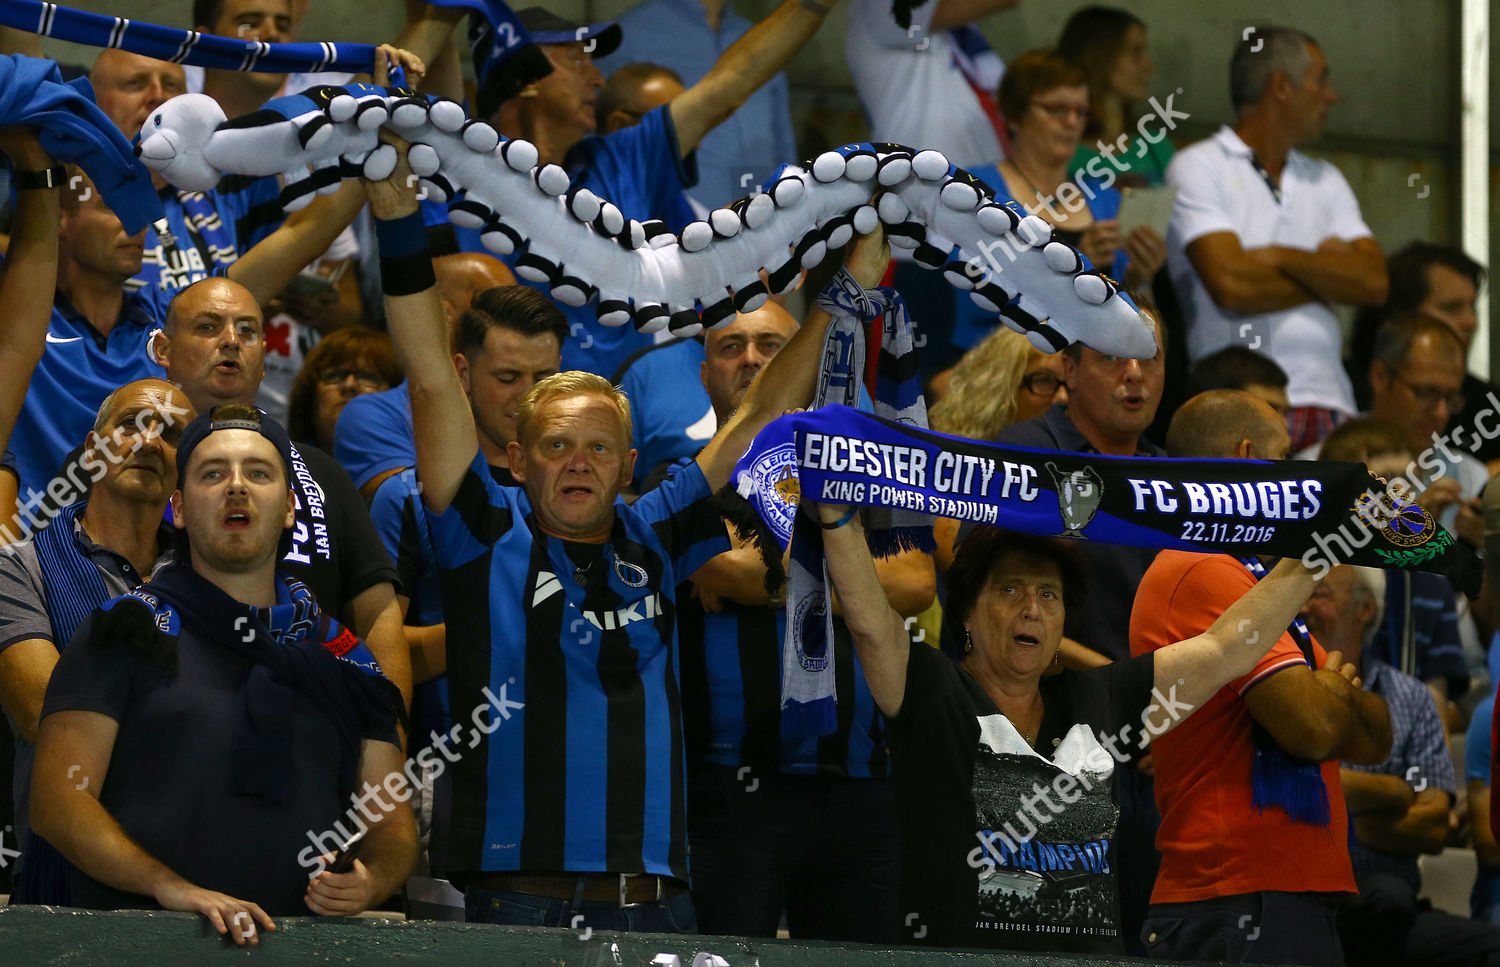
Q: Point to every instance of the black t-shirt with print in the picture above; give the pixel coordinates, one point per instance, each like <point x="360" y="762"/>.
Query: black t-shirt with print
<point x="979" y="868"/>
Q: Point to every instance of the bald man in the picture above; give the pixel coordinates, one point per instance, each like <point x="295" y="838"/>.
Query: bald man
<point x="1232" y="855"/>
<point x="463" y="275"/>
<point x="632" y="92"/>
<point x="213" y="346"/>
<point x="95" y="549"/>
<point x="669" y="426"/>
<point x="1231" y="424"/>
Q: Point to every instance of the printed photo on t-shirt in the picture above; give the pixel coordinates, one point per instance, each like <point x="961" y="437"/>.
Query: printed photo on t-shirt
<point x="1043" y="830"/>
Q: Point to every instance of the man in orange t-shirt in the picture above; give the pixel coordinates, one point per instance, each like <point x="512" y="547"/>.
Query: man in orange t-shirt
<point x="1242" y="883"/>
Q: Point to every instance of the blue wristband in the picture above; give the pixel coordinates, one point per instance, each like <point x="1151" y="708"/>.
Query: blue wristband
<point x="403" y="236"/>
<point x="848" y="516"/>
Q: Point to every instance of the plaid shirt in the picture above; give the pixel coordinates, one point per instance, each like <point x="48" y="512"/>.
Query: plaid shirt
<point x="1419" y="754"/>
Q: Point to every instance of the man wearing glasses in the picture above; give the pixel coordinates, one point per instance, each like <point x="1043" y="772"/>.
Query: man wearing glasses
<point x="1416" y="378"/>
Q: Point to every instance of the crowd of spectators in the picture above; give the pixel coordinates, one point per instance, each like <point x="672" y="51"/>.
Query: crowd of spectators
<point x="291" y="499"/>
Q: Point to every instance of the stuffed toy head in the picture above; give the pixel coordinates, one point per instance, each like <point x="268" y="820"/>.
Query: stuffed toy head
<point x="173" y="139"/>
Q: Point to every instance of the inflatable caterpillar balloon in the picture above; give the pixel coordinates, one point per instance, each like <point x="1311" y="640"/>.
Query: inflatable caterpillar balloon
<point x="583" y="248"/>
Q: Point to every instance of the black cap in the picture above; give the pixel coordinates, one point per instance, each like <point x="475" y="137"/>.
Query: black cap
<point x="504" y="75"/>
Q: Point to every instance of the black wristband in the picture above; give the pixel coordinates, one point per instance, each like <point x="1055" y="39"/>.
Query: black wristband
<point x="407" y="274"/>
<point x="53" y="177"/>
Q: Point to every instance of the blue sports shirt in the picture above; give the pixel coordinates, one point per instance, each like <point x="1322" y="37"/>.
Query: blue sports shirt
<point x="588" y="773"/>
<point x="374" y="434"/>
<point x="207" y="231"/>
<point x="78" y="369"/>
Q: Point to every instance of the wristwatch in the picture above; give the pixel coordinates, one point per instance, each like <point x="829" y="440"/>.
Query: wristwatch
<point x="53" y="177"/>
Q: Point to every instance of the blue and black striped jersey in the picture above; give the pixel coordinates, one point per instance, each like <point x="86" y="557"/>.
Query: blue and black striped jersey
<point x="588" y="773"/>
<point x="731" y="685"/>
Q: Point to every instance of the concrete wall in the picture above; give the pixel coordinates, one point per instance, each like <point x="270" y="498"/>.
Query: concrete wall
<point x="38" y="936"/>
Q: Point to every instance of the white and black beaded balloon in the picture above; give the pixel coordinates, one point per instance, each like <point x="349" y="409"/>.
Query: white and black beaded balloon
<point x="583" y="248"/>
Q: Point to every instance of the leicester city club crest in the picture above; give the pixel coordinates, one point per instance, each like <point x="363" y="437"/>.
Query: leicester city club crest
<point x="774" y="476"/>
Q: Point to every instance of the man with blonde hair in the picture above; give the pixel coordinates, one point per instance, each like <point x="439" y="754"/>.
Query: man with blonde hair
<point x="570" y="809"/>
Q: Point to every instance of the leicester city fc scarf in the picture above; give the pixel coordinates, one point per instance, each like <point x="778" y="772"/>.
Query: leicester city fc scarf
<point x="808" y="694"/>
<point x="1325" y="513"/>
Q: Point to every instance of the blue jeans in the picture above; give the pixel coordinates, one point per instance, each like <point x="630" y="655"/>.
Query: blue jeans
<point x="672" y="915"/>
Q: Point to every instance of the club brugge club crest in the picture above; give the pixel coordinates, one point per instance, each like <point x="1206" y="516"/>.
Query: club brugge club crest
<point x="1405" y="523"/>
<point x="1402" y="523"/>
<point x="775" y="479"/>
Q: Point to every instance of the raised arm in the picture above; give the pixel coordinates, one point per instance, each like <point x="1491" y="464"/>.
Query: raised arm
<point x="29" y="281"/>
<point x="879" y="633"/>
<point x="1230" y="648"/>
<point x="269" y="266"/>
<point x="72" y="763"/>
<point x="275" y="260"/>
<point x="741" y="70"/>
<point x="446" y="440"/>
<point x="787" y="382"/>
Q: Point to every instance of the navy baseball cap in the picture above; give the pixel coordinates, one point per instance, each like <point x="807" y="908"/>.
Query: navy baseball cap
<point x="239" y="418"/>
<point x="546" y="27"/>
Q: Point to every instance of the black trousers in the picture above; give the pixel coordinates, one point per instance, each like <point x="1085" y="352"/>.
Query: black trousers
<point x="1249" y="928"/>
<point x="824" y="850"/>
<point x="1387" y="924"/>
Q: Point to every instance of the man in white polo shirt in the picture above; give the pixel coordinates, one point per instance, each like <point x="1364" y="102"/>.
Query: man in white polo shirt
<point x="1264" y="238"/>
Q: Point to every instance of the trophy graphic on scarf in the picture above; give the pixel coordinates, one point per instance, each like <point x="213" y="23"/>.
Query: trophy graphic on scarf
<point x="1078" y="496"/>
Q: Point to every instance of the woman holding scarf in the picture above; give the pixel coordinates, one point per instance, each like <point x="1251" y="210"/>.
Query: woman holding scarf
<point x="1004" y="773"/>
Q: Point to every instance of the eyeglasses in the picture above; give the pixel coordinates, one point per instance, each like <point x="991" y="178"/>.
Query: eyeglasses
<point x="1431" y="396"/>
<point x="1042" y="383"/>
<point x="1061" y="112"/>
<point x="366" y="380"/>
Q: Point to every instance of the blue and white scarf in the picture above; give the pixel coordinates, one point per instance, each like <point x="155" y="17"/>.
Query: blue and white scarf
<point x="808" y="691"/>
<point x="498" y="35"/>
<point x="298" y="654"/>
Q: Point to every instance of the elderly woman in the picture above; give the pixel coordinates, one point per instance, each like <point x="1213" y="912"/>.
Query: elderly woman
<point x="1045" y="98"/>
<point x="1003" y="775"/>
